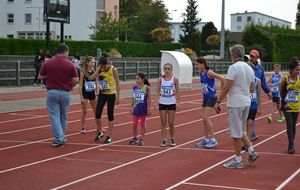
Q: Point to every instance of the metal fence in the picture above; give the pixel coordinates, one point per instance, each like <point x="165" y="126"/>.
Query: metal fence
<point x="22" y="73"/>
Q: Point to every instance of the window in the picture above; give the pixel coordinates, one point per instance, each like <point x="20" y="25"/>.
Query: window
<point x="99" y="15"/>
<point x="70" y="37"/>
<point x="101" y="4"/>
<point x="22" y="35"/>
<point x="10" y="1"/>
<point x="249" y="18"/>
<point x="239" y="18"/>
<point x="30" y="35"/>
<point x="10" y="18"/>
<point x="28" y="1"/>
<point x="27" y="18"/>
<point x="10" y="36"/>
<point x="239" y="28"/>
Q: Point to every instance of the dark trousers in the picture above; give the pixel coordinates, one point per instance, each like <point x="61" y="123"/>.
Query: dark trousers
<point x="291" y="121"/>
<point x="102" y="99"/>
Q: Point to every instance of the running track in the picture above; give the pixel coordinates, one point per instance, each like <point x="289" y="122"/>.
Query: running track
<point x="29" y="162"/>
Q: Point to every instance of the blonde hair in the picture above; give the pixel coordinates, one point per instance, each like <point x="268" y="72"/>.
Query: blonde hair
<point x="277" y="66"/>
<point x="85" y="66"/>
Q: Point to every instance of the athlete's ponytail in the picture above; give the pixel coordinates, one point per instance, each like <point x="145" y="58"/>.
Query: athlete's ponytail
<point x="143" y="77"/>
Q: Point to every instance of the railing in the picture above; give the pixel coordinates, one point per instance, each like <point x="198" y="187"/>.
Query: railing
<point x="22" y="73"/>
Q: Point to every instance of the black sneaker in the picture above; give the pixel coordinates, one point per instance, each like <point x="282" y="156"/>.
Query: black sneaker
<point x="107" y="140"/>
<point x="164" y="143"/>
<point x="98" y="136"/>
<point x="56" y="144"/>
<point x="173" y="142"/>
<point x="245" y="148"/>
<point x="133" y="141"/>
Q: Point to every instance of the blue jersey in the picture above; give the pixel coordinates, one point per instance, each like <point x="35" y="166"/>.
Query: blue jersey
<point x="275" y="80"/>
<point x="254" y="95"/>
<point x="207" y="85"/>
<point x="260" y="74"/>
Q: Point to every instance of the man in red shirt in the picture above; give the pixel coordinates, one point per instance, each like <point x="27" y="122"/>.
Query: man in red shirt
<point x="61" y="77"/>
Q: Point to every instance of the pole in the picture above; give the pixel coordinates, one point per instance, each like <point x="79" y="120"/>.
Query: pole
<point x="40" y="22"/>
<point x="47" y="35"/>
<point x="61" y="32"/>
<point x="222" y="46"/>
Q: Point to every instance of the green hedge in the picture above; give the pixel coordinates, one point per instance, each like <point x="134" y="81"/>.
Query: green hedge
<point x="287" y="46"/>
<point x="127" y="49"/>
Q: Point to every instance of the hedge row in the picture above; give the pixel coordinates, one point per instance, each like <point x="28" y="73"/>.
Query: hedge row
<point x="127" y="49"/>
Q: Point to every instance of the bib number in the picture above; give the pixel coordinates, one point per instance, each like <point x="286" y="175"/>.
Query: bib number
<point x="104" y="86"/>
<point x="139" y="96"/>
<point x="167" y="91"/>
<point x="292" y="96"/>
<point x="275" y="89"/>
<point x="204" y="88"/>
<point x="253" y="97"/>
<point x="90" y="86"/>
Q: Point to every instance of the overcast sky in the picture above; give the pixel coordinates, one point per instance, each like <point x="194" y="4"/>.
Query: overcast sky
<point x="210" y="10"/>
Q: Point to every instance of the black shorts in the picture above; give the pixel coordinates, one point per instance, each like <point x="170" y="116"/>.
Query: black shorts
<point x="167" y="107"/>
<point x="252" y="114"/>
<point x="276" y="100"/>
<point x="88" y="95"/>
<point x="209" y="102"/>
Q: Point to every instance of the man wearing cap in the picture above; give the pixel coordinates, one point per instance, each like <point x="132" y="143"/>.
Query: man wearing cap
<point x="259" y="73"/>
<point x="61" y="77"/>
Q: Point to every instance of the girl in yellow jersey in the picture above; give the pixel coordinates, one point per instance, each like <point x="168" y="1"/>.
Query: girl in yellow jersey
<point x="107" y="82"/>
<point x="290" y="93"/>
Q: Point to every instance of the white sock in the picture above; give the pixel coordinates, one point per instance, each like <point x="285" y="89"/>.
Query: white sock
<point x="250" y="150"/>
<point x="213" y="139"/>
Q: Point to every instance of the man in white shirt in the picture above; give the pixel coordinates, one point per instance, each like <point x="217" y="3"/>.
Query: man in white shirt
<point x="239" y="84"/>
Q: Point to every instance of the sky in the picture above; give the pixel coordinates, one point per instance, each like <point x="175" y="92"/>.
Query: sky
<point x="210" y="10"/>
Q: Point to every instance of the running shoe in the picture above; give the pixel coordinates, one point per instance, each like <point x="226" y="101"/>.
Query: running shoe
<point x="252" y="157"/>
<point x="211" y="144"/>
<point x="270" y="119"/>
<point x="291" y="149"/>
<point x="83" y="130"/>
<point x="141" y="142"/>
<point x="281" y="119"/>
<point x="133" y="141"/>
<point x="244" y="148"/>
<point x="57" y="144"/>
<point x="201" y="143"/>
<point x="98" y="136"/>
<point x="254" y="137"/>
<point x="233" y="164"/>
<point x="107" y="140"/>
<point x="173" y="142"/>
<point x="164" y="143"/>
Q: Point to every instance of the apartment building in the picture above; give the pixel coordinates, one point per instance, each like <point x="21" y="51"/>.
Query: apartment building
<point x="24" y="18"/>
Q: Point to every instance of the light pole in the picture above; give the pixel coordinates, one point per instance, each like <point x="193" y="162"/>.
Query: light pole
<point x="222" y="46"/>
<point x="39" y="17"/>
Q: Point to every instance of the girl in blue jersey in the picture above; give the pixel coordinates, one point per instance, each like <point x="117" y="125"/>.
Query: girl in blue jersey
<point x="87" y="86"/>
<point x="207" y="80"/>
<point x="275" y="89"/>
<point x="140" y="107"/>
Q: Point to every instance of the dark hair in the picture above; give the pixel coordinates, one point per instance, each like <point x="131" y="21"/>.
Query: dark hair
<point x="143" y="77"/>
<point x="62" y="48"/>
<point x="202" y="60"/>
<point x="103" y="60"/>
<point x="293" y="64"/>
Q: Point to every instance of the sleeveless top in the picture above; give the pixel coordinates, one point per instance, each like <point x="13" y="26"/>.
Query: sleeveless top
<point x="107" y="81"/>
<point x="167" y="91"/>
<point x="207" y="85"/>
<point x="276" y="89"/>
<point x="140" y="100"/>
<point x="89" y="85"/>
<point x="254" y="95"/>
<point x="290" y="101"/>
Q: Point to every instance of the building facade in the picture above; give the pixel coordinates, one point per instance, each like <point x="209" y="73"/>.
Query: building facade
<point x="176" y="31"/>
<point x="239" y="21"/>
<point x="24" y="19"/>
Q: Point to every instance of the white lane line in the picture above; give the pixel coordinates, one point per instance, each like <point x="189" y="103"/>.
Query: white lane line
<point x="91" y="148"/>
<point x="88" y="160"/>
<point x="283" y="184"/>
<point x="71" y="112"/>
<point x="219" y="163"/>
<point x="24" y="114"/>
<point x="218" y="186"/>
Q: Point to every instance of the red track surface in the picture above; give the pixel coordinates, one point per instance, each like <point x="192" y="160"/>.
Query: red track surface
<point x="29" y="162"/>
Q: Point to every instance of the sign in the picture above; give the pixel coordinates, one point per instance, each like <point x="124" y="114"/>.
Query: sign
<point x="57" y="11"/>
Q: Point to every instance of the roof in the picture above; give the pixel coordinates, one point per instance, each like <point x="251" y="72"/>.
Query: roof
<point x="254" y="12"/>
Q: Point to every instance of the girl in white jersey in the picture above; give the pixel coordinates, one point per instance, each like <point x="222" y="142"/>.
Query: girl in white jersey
<point x="167" y="97"/>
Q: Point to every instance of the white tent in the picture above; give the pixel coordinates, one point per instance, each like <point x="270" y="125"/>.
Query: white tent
<point x="181" y="63"/>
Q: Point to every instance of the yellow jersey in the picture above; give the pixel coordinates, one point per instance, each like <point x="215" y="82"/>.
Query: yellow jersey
<point x="107" y="81"/>
<point x="292" y="98"/>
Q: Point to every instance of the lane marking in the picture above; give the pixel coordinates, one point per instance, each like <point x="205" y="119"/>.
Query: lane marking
<point x="283" y="184"/>
<point x="125" y="151"/>
<point x="88" y="160"/>
<point x="218" y="186"/>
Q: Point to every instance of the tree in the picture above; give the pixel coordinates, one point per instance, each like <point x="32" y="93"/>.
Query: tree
<point x="190" y="23"/>
<point x="107" y="28"/>
<point x="213" y="40"/>
<point x="162" y="34"/>
<point x="207" y="30"/>
<point x="298" y="16"/>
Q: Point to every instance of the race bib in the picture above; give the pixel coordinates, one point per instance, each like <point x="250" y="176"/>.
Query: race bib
<point x="253" y="96"/>
<point x="275" y="89"/>
<point x="90" y="86"/>
<point x="167" y="91"/>
<point x="204" y="88"/>
<point x="292" y="96"/>
<point x="139" y="96"/>
<point x="104" y="86"/>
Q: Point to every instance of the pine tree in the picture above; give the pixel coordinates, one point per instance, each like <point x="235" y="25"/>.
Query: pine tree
<point x="190" y="23"/>
<point x="298" y="16"/>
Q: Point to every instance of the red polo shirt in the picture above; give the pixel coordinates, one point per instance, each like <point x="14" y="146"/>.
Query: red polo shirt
<point x="59" y="71"/>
